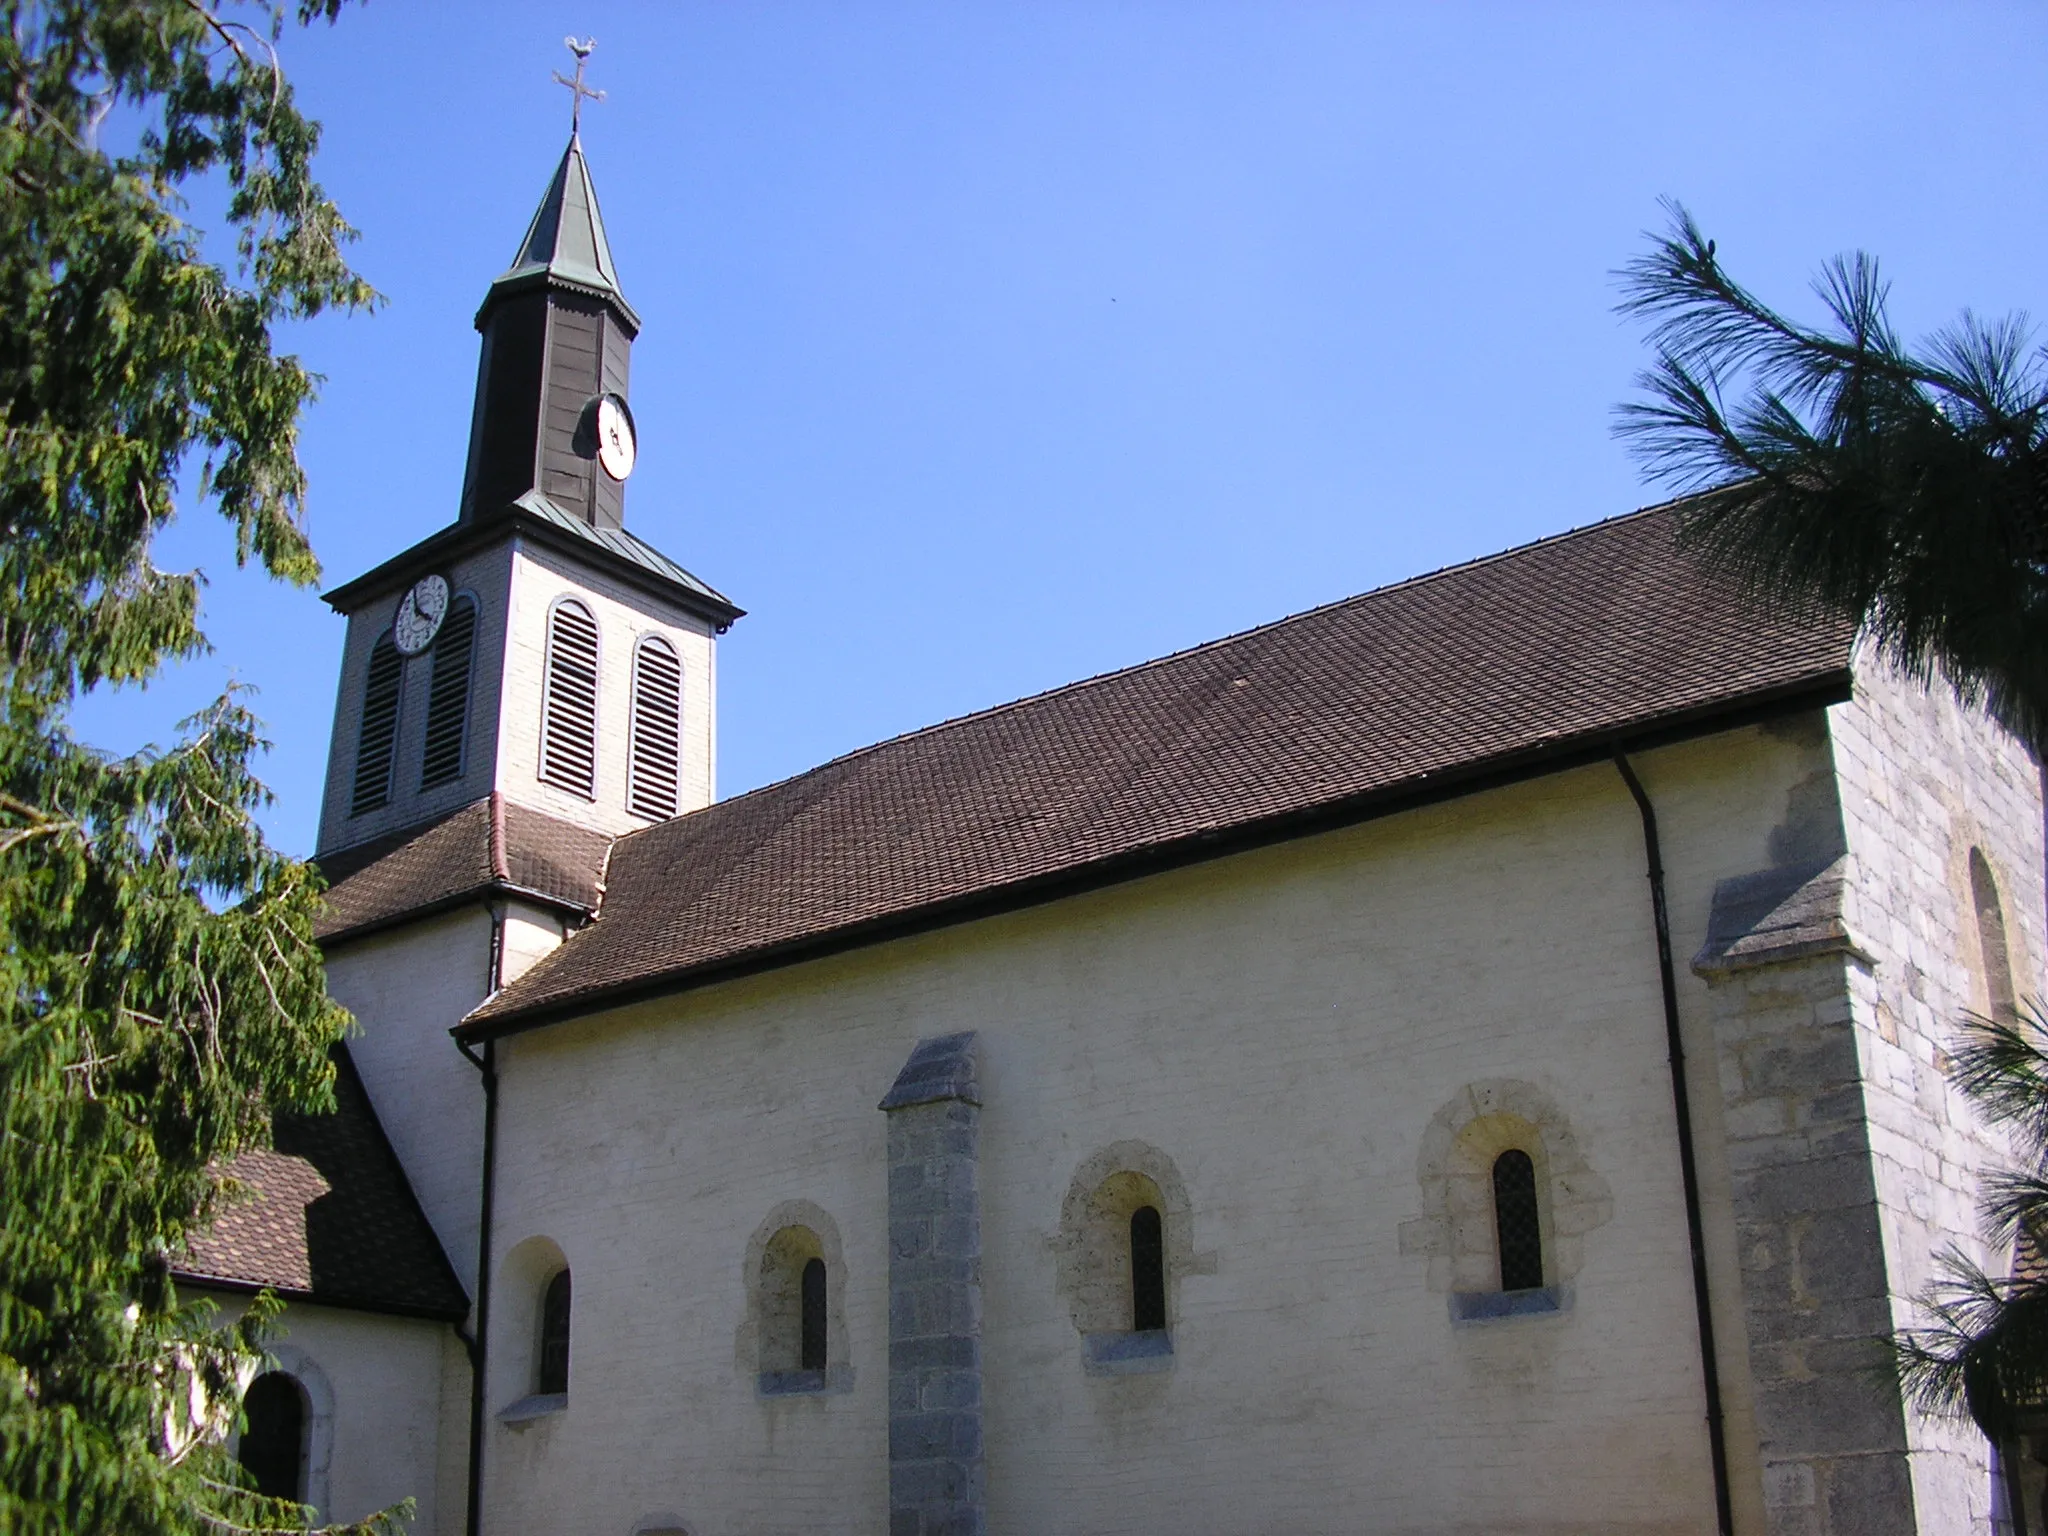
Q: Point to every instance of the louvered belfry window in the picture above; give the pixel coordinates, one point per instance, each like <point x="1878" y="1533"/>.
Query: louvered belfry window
<point x="651" y="789"/>
<point x="379" y="737"/>
<point x="568" y="733"/>
<point x="448" y="696"/>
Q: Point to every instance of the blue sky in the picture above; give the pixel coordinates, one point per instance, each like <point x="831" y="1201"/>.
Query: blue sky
<point x="992" y="345"/>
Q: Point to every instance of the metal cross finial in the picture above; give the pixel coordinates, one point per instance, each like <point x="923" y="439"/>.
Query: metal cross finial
<point x="577" y="89"/>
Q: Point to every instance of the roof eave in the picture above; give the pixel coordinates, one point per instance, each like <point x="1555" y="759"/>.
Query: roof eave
<point x="1815" y="691"/>
<point x="520" y="280"/>
<point x="200" y="1280"/>
<point x="482" y="893"/>
<point x="460" y="537"/>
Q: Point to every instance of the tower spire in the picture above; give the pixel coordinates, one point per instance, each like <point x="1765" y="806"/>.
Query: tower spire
<point x="551" y="419"/>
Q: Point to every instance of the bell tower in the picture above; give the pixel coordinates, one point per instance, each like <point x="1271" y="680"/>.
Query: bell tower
<point x="534" y="648"/>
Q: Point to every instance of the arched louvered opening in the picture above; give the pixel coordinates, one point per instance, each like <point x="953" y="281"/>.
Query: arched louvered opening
<point x="1517" y="1221"/>
<point x="811" y="1355"/>
<point x="656" y="756"/>
<point x="273" y="1448"/>
<point x="553" y="1374"/>
<point x="378" y="739"/>
<point x="1148" y="1270"/>
<point x="448" y="696"/>
<point x="1991" y="941"/>
<point x="568" y="742"/>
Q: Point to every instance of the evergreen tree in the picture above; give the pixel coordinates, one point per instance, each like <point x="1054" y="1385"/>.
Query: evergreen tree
<point x="160" y="990"/>
<point x="1909" y="491"/>
<point x="1906" y="489"/>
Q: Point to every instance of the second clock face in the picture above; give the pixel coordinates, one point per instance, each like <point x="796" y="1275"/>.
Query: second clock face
<point x="420" y="613"/>
<point x="615" y="446"/>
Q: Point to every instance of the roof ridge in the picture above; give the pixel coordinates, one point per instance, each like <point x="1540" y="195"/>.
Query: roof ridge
<point x="953" y="721"/>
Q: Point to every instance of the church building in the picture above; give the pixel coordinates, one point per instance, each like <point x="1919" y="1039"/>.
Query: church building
<point x="1464" y="1059"/>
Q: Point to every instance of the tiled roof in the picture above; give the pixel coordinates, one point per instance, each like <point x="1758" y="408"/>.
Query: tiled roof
<point x="489" y="845"/>
<point x="1490" y="667"/>
<point x="328" y="1216"/>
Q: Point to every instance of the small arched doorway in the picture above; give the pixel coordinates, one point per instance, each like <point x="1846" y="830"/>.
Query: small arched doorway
<point x="273" y="1448"/>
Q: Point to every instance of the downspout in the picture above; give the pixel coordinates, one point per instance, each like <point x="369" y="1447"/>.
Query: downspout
<point x="1688" y="1161"/>
<point x="487" y="1065"/>
<point x="487" y="1068"/>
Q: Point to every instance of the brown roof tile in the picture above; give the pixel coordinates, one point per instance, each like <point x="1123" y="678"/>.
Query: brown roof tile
<point x="1506" y="661"/>
<point x="328" y="1215"/>
<point x="488" y="845"/>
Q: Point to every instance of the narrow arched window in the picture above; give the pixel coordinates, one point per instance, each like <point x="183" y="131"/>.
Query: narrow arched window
<point x="568" y="742"/>
<point x="553" y="1376"/>
<point x="1991" y="938"/>
<point x="448" y="696"/>
<point x="811" y="1357"/>
<point x="1516" y="1221"/>
<point x="273" y="1448"/>
<point x="1148" y="1270"/>
<point x="656" y="755"/>
<point x="378" y="739"/>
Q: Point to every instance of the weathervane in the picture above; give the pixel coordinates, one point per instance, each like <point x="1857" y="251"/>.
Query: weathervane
<point x="577" y="89"/>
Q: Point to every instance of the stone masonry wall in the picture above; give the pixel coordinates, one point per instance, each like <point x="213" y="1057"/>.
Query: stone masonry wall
<point x="1923" y="780"/>
<point x="935" y="1450"/>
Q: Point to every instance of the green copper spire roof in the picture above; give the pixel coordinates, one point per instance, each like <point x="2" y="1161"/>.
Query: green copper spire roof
<point x="565" y="243"/>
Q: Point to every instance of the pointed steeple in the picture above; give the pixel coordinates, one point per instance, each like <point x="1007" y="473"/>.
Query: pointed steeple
<point x="558" y="334"/>
<point x="565" y="245"/>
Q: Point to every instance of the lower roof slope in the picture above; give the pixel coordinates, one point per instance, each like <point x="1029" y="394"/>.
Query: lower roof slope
<point x="1590" y="637"/>
<point x="328" y="1216"/>
<point x="490" y="846"/>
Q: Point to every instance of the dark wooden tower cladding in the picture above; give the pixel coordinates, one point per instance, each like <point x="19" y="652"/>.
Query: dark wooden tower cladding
<point x="557" y="334"/>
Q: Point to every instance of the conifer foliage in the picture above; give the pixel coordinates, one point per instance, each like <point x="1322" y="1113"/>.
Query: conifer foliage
<point x="1907" y="488"/>
<point x="160" y="991"/>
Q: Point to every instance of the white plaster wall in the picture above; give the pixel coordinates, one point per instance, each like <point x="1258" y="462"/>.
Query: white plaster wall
<point x="1923" y="780"/>
<point x="526" y="934"/>
<point x="382" y="1385"/>
<point x="1283" y="1024"/>
<point x="623" y="615"/>
<point x="486" y="576"/>
<point x="407" y="988"/>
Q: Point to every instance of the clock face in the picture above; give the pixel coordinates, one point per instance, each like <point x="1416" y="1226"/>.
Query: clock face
<point x="615" y="445"/>
<point x="420" y="613"/>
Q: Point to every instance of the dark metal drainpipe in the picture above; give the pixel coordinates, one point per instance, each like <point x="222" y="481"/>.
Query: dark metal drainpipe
<point x="1688" y="1162"/>
<point x="487" y="1066"/>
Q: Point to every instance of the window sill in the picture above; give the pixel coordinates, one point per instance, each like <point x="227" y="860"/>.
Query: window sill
<point x="1127" y="1354"/>
<point x="838" y="1378"/>
<point x="1500" y="1306"/>
<point x="529" y="1410"/>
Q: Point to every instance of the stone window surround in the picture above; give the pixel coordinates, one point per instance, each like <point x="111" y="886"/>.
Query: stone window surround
<point x="1456" y="1230"/>
<point x="1092" y="1255"/>
<point x="753" y="1343"/>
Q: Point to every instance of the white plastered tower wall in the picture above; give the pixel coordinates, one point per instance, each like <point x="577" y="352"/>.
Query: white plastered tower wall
<point x="1924" y="780"/>
<point x="486" y="577"/>
<point x="625" y="615"/>
<point x="1282" y="1026"/>
<point x="405" y="987"/>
